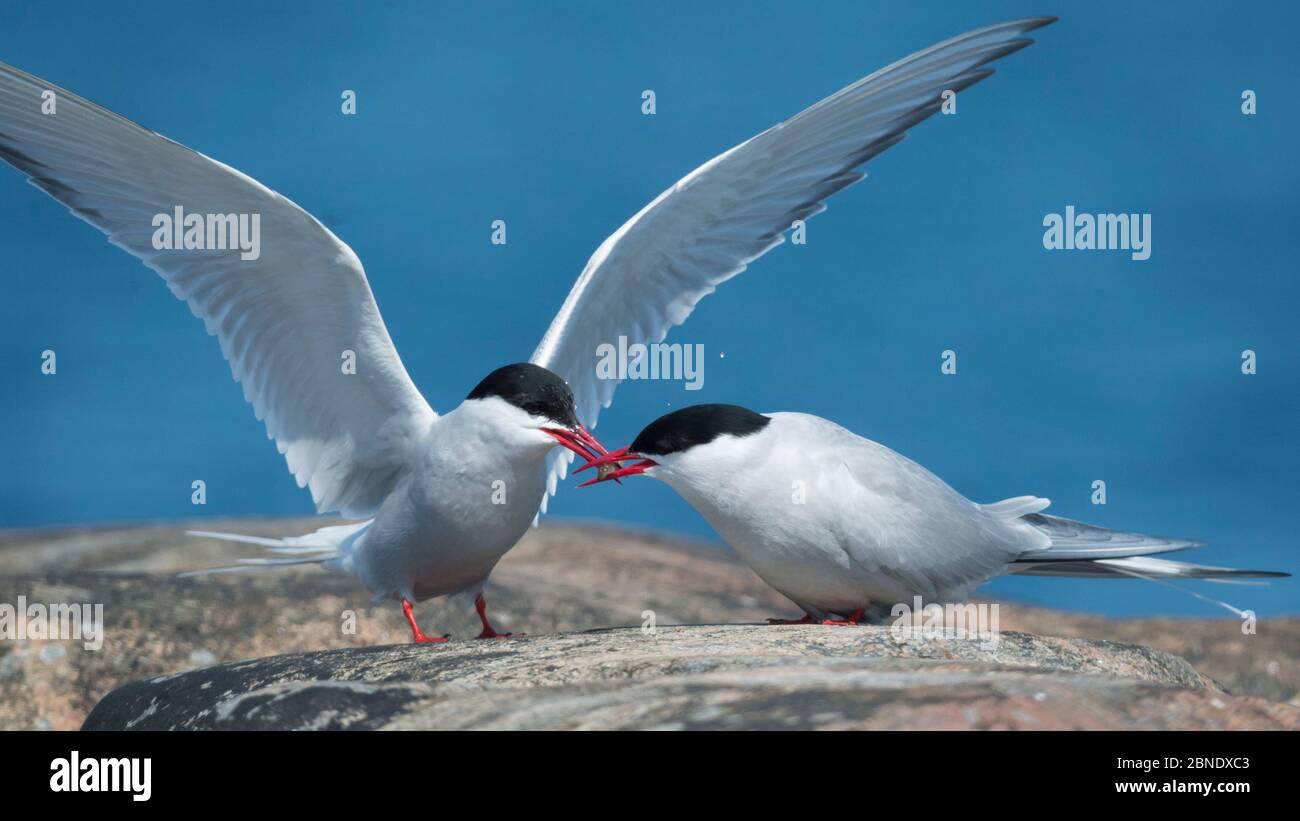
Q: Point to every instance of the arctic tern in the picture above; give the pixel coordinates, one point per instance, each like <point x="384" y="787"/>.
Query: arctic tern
<point x="845" y="527"/>
<point x="288" y="298"/>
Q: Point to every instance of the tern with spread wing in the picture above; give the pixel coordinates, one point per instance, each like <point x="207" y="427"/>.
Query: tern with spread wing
<point x="428" y="488"/>
<point x="845" y="527"/>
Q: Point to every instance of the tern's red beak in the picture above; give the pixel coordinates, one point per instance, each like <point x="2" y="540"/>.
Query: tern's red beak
<point x="580" y="442"/>
<point x="615" y="459"/>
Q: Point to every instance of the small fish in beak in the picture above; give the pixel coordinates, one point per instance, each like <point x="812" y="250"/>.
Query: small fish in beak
<point x="610" y="466"/>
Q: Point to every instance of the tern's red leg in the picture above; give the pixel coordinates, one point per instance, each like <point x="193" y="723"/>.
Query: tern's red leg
<point x="480" y="604"/>
<point x="417" y="635"/>
<point x="851" y="621"/>
<point x="807" y="619"/>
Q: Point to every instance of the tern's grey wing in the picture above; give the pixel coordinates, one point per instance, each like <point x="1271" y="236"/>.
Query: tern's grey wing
<point x="286" y="316"/>
<point x="649" y="275"/>
<point x="1073" y="540"/>
<point x="901" y="520"/>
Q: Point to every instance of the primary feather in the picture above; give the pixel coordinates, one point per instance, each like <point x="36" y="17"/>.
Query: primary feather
<point x="283" y="319"/>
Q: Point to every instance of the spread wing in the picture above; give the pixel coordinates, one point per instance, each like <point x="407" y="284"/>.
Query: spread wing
<point x="736" y="207"/>
<point x="285" y="320"/>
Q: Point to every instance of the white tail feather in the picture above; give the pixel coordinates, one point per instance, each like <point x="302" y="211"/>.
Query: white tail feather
<point x="1116" y="563"/>
<point x="328" y="544"/>
<point x="1149" y="569"/>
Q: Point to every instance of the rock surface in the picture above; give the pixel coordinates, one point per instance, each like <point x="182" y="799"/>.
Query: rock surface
<point x="562" y="579"/>
<point x="699" y="677"/>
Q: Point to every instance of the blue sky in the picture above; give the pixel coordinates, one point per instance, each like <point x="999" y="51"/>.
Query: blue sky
<point x="1072" y="366"/>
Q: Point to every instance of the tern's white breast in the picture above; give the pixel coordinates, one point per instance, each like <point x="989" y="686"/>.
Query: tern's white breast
<point x="448" y="524"/>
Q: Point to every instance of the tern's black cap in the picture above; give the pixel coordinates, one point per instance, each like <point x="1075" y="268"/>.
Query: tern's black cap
<point x="697" y="425"/>
<point x="531" y="388"/>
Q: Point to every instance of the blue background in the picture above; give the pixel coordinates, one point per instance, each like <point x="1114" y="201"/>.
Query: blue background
<point x="1072" y="366"/>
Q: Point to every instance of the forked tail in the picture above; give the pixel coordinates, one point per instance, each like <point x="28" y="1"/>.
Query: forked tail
<point x="323" y="546"/>
<point x="1084" y="550"/>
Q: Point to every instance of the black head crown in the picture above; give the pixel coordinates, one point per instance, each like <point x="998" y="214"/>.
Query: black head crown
<point x="530" y="388"/>
<point x="697" y="425"/>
